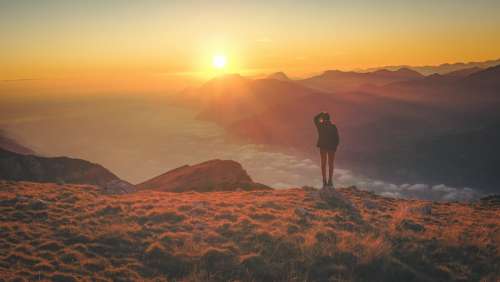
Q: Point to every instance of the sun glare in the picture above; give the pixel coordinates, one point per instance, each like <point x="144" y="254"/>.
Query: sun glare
<point x="219" y="61"/>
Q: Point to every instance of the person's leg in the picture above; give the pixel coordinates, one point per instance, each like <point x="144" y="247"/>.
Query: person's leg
<point x="323" y="155"/>
<point x="331" y="160"/>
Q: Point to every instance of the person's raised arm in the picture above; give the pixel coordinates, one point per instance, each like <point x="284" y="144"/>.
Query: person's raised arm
<point x="316" y="119"/>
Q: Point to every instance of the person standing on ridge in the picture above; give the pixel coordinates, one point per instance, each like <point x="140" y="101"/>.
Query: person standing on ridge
<point x="328" y="141"/>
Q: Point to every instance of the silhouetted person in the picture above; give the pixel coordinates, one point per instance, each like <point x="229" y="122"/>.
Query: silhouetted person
<point x="328" y="140"/>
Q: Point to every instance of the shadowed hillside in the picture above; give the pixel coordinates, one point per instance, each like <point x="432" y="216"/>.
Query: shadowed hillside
<point x="19" y="167"/>
<point x="10" y="144"/>
<point x="73" y="232"/>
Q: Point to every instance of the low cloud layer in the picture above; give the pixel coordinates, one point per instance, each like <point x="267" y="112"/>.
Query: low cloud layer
<point x="439" y="192"/>
<point x="285" y="170"/>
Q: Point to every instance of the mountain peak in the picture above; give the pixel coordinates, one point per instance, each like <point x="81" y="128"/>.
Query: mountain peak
<point x="401" y="72"/>
<point x="279" y="76"/>
<point x="409" y="71"/>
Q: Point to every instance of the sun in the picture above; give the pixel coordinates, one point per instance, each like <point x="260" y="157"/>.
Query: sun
<point x="219" y="61"/>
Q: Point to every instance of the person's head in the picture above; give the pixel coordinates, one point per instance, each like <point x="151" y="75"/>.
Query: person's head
<point x="326" y="117"/>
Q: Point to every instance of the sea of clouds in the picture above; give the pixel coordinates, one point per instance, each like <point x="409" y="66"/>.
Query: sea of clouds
<point x="285" y="170"/>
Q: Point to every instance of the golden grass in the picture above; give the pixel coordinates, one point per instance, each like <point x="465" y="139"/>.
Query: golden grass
<point x="64" y="232"/>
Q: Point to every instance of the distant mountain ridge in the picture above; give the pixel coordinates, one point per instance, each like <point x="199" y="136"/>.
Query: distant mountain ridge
<point x="225" y="99"/>
<point x="342" y="81"/>
<point x="279" y="76"/>
<point x="466" y="86"/>
<point x="443" y="68"/>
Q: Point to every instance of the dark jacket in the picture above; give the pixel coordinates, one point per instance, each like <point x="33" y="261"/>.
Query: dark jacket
<point x="328" y="135"/>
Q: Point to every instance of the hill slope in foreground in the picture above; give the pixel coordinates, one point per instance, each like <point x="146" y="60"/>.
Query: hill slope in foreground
<point x="74" y="232"/>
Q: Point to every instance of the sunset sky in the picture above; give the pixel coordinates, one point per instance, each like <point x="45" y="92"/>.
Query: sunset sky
<point x="47" y="39"/>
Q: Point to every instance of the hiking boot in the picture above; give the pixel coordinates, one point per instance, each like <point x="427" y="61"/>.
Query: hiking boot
<point x="330" y="184"/>
<point x="325" y="184"/>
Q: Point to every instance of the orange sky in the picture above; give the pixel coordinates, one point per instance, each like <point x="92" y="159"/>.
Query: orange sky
<point x="172" y="39"/>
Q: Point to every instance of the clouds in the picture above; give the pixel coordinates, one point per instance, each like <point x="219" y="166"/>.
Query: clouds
<point x="281" y="170"/>
<point x="439" y="192"/>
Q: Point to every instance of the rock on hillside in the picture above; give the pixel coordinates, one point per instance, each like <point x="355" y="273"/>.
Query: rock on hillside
<point x="19" y="167"/>
<point x="213" y="175"/>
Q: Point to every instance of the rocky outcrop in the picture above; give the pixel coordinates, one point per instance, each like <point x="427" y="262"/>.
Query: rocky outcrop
<point x="213" y="175"/>
<point x="60" y="170"/>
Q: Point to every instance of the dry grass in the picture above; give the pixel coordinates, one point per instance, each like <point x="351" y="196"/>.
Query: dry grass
<point x="72" y="232"/>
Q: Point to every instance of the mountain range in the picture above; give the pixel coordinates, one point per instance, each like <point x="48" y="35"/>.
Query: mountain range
<point x="383" y="116"/>
<point x="334" y="80"/>
<point x="279" y="76"/>
<point x="443" y="68"/>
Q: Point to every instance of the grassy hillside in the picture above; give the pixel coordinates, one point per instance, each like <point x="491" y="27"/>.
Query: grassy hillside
<point x="73" y="232"/>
